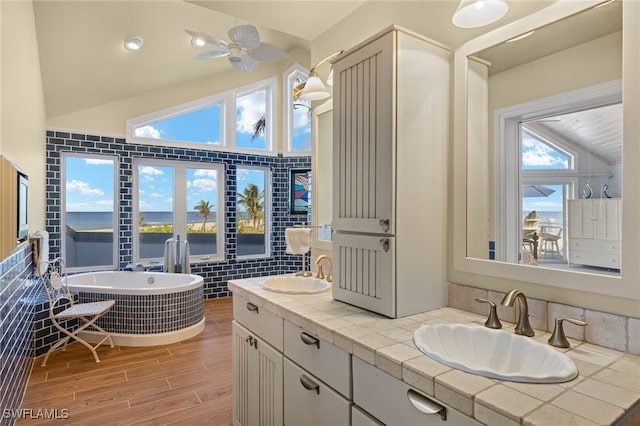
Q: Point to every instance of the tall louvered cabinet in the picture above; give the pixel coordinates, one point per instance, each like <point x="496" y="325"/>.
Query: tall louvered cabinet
<point x="391" y="123"/>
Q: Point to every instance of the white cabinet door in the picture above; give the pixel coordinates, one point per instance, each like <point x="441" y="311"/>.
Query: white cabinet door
<point x="364" y="133"/>
<point x="607" y="219"/>
<point x="363" y="271"/>
<point x="257" y="380"/>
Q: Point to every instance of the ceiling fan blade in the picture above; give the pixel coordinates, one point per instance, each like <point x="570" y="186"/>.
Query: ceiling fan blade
<point x="245" y="64"/>
<point x="213" y="54"/>
<point x="247" y="35"/>
<point x="207" y="38"/>
<point x="267" y="52"/>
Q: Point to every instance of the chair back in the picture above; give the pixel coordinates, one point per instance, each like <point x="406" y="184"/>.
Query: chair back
<point x="54" y="281"/>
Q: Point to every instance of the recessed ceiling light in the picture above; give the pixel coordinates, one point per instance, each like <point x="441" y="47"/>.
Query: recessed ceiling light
<point x="133" y="43"/>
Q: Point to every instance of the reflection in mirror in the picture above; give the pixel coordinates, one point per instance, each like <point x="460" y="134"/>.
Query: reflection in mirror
<point x="323" y="172"/>
<point x="544" y="152"/>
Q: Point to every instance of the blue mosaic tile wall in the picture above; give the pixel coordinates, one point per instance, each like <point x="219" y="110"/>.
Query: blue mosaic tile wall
<point x="215" y="274"/>
<point x="16" y="328"/>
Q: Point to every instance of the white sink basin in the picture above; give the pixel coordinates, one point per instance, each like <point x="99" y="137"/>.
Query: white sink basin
<point x="497" y="354"/>
<point x="296" y="285"/>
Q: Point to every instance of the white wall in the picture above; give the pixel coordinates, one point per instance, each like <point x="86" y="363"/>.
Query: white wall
<point x="22" y="123"/>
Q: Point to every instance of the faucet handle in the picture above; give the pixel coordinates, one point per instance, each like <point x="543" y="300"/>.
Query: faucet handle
<point x="493" y="321"/>
<point x="558" y="338"/>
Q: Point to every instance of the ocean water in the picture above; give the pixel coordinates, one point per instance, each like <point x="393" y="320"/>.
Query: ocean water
<point x="101" y="220"/>
<point x="546" y="215"/>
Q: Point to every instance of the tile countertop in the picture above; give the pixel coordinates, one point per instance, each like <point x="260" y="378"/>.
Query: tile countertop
<point x="607" y="390"/>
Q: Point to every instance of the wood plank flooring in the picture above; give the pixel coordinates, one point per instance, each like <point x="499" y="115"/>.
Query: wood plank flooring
<point x="182" y="383"/>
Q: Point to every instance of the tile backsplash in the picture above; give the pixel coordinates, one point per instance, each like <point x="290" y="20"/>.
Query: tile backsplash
<point x="613" y="331"/>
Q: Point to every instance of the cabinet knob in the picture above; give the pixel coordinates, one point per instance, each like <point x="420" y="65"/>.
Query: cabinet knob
<point x="425" y="405"/>
<point x="309" y="384"/>
<point x="384" y="242"/>
<point x="384" y="223"/>
<point x="309" y="339"/>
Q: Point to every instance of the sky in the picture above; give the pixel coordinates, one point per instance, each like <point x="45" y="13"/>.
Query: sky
<point x="539" y="156"/>
<point x="89" y="185"/>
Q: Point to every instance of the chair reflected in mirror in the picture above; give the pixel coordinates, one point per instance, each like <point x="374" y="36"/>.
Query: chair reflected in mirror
<point x="550" y="236"/>
<point x="530" y="235"/>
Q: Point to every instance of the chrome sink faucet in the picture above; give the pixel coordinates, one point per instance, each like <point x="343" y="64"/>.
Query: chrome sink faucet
<point x="522" y="327"/>
<point x="320" y="273"/>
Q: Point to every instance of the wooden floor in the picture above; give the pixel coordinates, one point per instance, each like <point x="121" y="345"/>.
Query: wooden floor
<point x="182" y="383"/>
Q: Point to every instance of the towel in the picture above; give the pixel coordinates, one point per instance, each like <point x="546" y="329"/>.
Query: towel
<point x="298" y="240"/>
<point x="43" y="252"/>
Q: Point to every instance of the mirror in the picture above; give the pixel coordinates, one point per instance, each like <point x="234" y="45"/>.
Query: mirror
<point x="538" y="132"/>
<point x="322" y="165"/>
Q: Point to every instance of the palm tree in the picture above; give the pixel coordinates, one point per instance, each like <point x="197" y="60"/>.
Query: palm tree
<point x="253" y="201"/>
<point x="259" y="128"/>
<point x="203" y="208"/>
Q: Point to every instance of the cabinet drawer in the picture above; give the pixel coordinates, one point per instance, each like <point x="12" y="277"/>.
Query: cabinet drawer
<point x="597" y="246"/>
<point x="319" y="357"/>
<point x="393" y="406"/>
<point x="312" y="402"/>
<point x="259" y="321"/>
<point x="603" y="260"/>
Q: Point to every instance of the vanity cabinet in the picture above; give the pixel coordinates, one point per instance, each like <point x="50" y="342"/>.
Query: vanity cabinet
<point x="399" y="404"/>
<point x="390" y="148"/>
<point x="594" y="233"/>
<point x="257" y="365"/>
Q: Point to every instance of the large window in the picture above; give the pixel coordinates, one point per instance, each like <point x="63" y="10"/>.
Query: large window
<point x="177" y="199"/>
<point x="237" y="120"/>
<point x="89" y="219"/>
<point x="252" y="211"/>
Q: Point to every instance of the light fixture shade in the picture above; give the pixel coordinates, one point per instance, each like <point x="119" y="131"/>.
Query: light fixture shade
<point x="314" y="89"/>
<point x="477" y="13"/>
<point x="133" y="43"/>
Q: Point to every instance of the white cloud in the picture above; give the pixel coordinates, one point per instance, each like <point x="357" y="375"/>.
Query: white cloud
<point x="250" y="108"/>
<point x="148" y="170"/>
<point x="156" y="194"/>
<point x="95" y="161"/>
<point x="83" y="187"/>
<point x="206" y="173"/>
<point x="147" y="132"/>
<point x="535" y="154"/>
<point x="205" y="185"/>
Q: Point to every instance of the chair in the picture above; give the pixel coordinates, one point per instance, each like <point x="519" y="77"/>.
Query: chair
<point x="530" y="233"/>
<point x="54" y="281"/>
<point x="550" y="236"/>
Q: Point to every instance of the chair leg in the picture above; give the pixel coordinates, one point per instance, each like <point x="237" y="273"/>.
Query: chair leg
<point x="74" y="335"/>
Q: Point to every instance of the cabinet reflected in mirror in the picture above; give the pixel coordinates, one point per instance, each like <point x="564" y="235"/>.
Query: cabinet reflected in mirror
<point x="544" y="146"/>
<point x="322" y="165"/>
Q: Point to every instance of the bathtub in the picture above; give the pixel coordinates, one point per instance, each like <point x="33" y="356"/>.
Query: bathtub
<point x="152" y="308"/>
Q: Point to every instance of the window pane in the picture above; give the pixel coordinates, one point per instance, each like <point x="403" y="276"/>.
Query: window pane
<point x="155" y="207"/>
<point x="537" y="155"/>
<point x="89" y="211"/>
<point x="201" y="126"/>
<point x="251" y="110"/>
<point x="251" y="212"/>
<point x="300" y="117"/>
<point x="202" y="211"/>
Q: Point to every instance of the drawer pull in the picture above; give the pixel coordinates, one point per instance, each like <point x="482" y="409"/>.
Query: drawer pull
<point x="310" y="340"/>
<point x="425" y="405"/>
<point x="309" y="384"/>
<point x="251" y="307"/>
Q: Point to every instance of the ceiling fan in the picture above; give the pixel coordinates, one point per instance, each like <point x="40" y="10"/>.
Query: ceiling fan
<point x="244" y="50"/>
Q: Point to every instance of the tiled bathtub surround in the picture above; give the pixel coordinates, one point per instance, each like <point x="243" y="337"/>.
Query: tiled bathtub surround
<point x="606" y="392"/>
<point x="215" y="274"/>
<point x="16" y="312"/>
<point x="149" y="313"/>
<point x="603" y="329"/>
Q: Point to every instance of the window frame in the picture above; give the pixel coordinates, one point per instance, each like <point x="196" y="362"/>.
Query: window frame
<point x="267" y="211"/>
<point x="287" y="115"/>
<point x="116" y="209"/>
<point x="227" y="100"/>
<point x="179" y="199"/>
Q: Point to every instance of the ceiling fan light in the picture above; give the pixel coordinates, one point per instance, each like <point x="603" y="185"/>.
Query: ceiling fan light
<point x="314" y="89"/>
<point x="133" y="43"/>
<point x="198" y="42"/>
<point x="478" y="13"/>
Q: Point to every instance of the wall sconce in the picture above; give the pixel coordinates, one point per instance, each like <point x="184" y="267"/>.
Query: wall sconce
<point x="314" y="89"/>
<point x="133" y="43"/>
<point x="478" y="13"/>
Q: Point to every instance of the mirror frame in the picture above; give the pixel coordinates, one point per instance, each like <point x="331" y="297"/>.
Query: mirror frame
<point x="325" y="108"/>
<point x="628" y="284"/>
